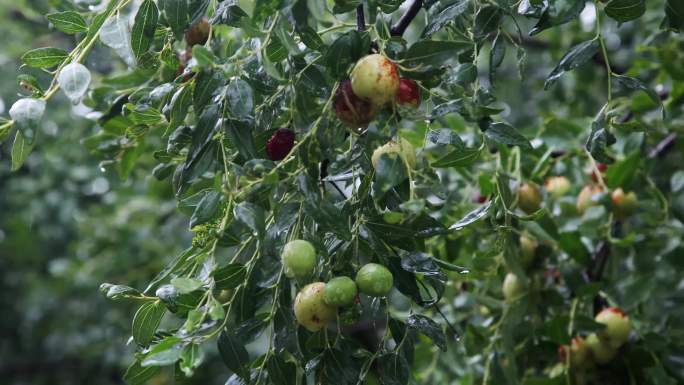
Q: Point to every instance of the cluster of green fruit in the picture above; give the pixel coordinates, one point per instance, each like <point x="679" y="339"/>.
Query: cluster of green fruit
<point x="624" y="203"/>
<point x="602" y="347"/>
<point x="316" y="303"/>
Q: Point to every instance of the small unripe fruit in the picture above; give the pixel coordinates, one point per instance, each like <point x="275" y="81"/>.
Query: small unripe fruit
<point x="198" y="33"/>
<point x="528" y="247"/>
<point x="600" y="350"/>
<point x="299" y="258"/>
<point x="617" y="328"/>
<point x="557" y="186"/>
<point x="280" y="144"/>
<point x="624" y="204"/>
<point x="375" y="78"/>
<point x="513" y="287"/>
<point x="353" y="111"/>
<point x="401" y="148"/>
<point x="311" y="310"/>
<point x="340" y="291"/>
<point x="408" y="93"/>
<point x="585" y="197"/>
<point x="529" y="198"/>
<point x="375" y="280"/>
<point x="579" y="353"/>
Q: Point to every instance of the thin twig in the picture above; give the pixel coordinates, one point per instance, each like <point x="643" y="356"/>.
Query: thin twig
<point x="663" y="146"/>
<point x="400" y="27"/>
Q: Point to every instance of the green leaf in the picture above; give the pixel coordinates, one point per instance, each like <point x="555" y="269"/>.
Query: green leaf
<point x="559" y="12"/>
<point x="674" y="15"/>
<point x="176" y="12"/>
<point x="234" y="354"/>
<point x="186" y="285"/>
<point x="68" y="21"/>
<point x="574" y="58"/>
<point x="496" y="55"/>
<point x="281" y="372"/>
<point x="487" y="21"/>
<point x="207" y="82"/>
<point x="347" y="49"/>
<point x="142" y="33"/>
<point x="146" y="321"/>
<point x="44" y="57"/>
<point x="505" y="134"/>
<point x="389" y="172"/>
<point x="428" y="327"/>
<point x="206" y="209"/>
<point x="445" y="16"/>
<point x="118" y="291"/>
<point x="432" y="53"/>
<point x="622" y="173"/>
<point x="459" y="157"/>
<point x="625" y="10"/>
<point x="252" y="216"/>
<point x="472" y="216"/>
<point x="637" y="85"/>
<point x="139" y="375"/>
<point x="600" y="139"/>
<point x="310" y="37"/>
<point x="165" y="353"/>
<point x="229" y="276"/>
<point x="228" y="12"/>
<point x="20" y="151"/>
<point x="240" y="98"/>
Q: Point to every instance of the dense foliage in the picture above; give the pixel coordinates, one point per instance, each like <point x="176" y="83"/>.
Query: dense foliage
<point x="453" y="192"/>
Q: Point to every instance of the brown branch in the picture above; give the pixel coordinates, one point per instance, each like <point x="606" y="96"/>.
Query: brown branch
<point x="663" y="146"/>
<point x="400" y="27"/>
<point x="360" y="18"/>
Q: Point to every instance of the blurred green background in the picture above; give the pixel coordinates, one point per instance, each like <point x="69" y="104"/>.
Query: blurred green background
<point x="65" y="228"/>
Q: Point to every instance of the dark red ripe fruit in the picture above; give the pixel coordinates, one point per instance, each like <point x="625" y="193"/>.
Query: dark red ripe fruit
<point x="280" y="144"/>
<point x="198" y="33"/>
<point x="353" y="111"/>
<point x="602" y="167"/>
<point x="479" y="198"/>
<point x="408" y="92"/>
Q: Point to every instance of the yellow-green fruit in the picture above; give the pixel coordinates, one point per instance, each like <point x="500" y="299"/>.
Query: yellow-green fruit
<point x="340" y="291"/>
<point x="401" y="148"/>
<point x="299" y="258"/>
<point x="310" y="308"/>
<point x="579" y="353"/>
<point x="601" y="351"/>
<point x="513" y="287"/>
<point x="375" y="280"/>
<point x="618" y="326"/>
<point x="557" y="186"/>
<point x="528" y="247"/>
<point x="375" y="78"/>
<point x="529" y="198"/>
<point x="624" y="204"/>
<point x="585" y="197"/>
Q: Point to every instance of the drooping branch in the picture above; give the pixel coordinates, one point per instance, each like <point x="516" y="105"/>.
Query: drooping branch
<point x="400" y="27"/>
<point x="360" y="18"/>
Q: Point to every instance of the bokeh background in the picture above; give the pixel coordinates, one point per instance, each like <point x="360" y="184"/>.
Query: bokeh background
<point x="67" y="226"/>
